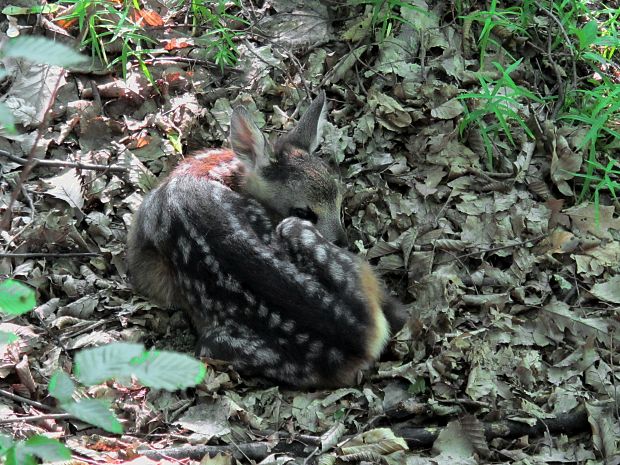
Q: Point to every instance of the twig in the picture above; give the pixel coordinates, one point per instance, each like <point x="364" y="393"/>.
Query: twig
<point x="30" y="162"/>
<point x="494" y="249"/>
<point x="312" y="454"/>
<point x="24" y="400"/>
<point x="87" y="329"/>
<point x="300" y="73"/>
<point x="67" y="164"/>
<point x="188" y="60"/>
<point x="566" y="38"/>
<point x="48" y="255"/>
<point x="33" y="418"/>
<point x="29" y="201"/>
<point x="254" y="451"/>
<point x="558" y="76"/>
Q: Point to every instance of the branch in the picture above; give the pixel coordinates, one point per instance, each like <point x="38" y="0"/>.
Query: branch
<point x="48" y="255"/>
<point x="66" y="164"/>
<point x="254" y="451"/>
<point x="33" y="418"/>
<point x="24" y="400"/>
<point x="568" y="423"/>
<point x="416" y="437"/>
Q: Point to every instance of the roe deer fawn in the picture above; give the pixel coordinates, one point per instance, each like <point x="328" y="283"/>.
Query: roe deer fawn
<point x="241" y="239"/>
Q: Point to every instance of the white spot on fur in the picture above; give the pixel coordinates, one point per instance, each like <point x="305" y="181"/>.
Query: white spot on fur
<point x="315" y="348"/>
<point x="274" y="320"/>
<point x="249" y="298"/>
<point x="202" y="243"/>
<point x="336" y="271"/>
<point x="320" y="254"/>
<point x="186" y="248"/>
<point x="312" y="287"/>
<point x="267" y="356"/>
<point x="286" y="225"/>
<point x="232" y="285"/>
<point x="187" y="282"/>
<point x="308" y="238"/>
<point x="338" y="313"/>
<point x="350" y="319"/>
<point x="335" y="356"/>
<point x="288" y="326"/>
<point x="289" y="369"/>
<point x="262" y="311"/>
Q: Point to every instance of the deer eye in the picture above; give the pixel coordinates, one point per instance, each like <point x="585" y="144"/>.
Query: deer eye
<point x="304" y="214"/>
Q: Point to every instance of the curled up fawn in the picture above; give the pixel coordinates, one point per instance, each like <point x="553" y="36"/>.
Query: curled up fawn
<point x="243" y="240"/>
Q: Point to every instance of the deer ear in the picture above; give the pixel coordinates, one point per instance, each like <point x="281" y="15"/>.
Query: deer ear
<point x="247" y="140"/>
<point x="308" y="132"/>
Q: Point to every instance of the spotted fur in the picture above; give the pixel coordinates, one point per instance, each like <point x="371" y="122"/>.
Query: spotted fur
<point x="266" y="291"/>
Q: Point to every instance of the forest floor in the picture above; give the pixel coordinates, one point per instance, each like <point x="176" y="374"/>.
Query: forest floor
<point x="511" y="276"/>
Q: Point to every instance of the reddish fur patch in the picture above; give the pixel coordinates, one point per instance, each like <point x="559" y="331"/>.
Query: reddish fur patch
<point x="295" y="152"/>
<point x="218" y="165"/>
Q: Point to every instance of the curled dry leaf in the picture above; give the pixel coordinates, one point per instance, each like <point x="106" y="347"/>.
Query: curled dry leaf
<point x="564" y="163"/>
<point x="453" y="442"/>
<point x="331" y="437"/>
<point x="376" y="442"/>
<point x="67" y="187"/>
<point x="451" y="245"/>
<point x="448" y="110"/>
<point x="474" y="430"/>
<point x="609" y="291"/>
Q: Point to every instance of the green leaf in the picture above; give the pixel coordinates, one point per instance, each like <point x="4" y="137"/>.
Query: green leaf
<point x="61" y="387"/>
<point x="7" y="120"/>
<point x="419" y="387"/>
<point x="168" y="370"/>
<point x="161" y="370"/>
<point x="587" y="34"/>
<point x="7" y="338"/>
<point x="48" y="450"/>
<point x="16" y="298"/>
<point x="42" y="50"/>
<point x="596" y="57"/>
<point x="5" y="443"/>
<point x="12" y="10"/>
<point x="607" y="41"/>
<point x="11" y="458"/>
<point x="99" y="364"/>
<point x="96" y="412"/>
